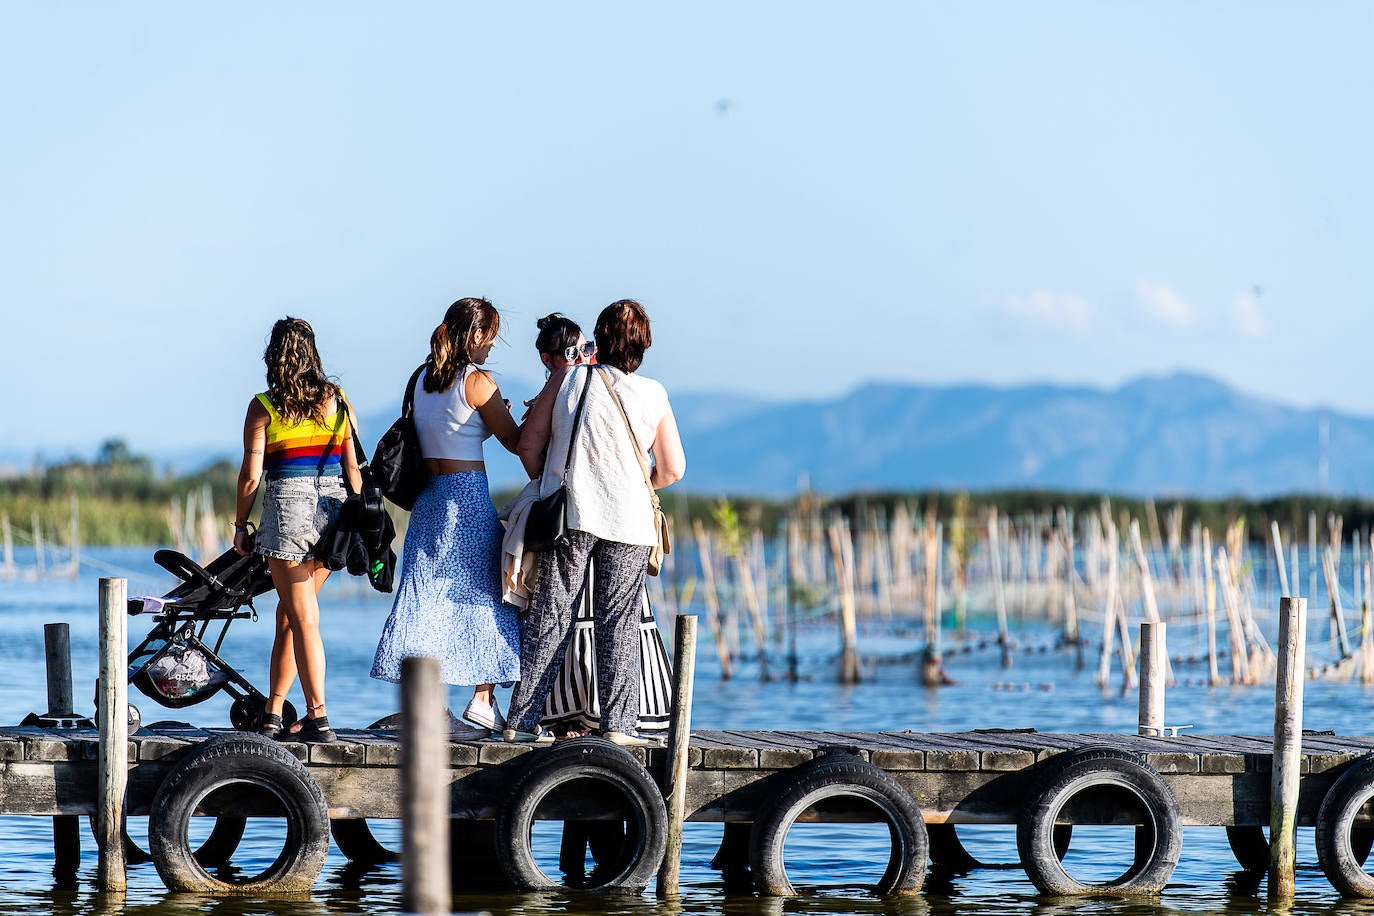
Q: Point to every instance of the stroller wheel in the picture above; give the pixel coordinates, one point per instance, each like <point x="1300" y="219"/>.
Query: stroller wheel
<point x="245" y="714"/>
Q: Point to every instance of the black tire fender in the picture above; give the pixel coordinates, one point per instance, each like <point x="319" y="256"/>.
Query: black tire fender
<point x="358" y="843"/>
<point x="1341" y="846"/>
<point x="831" y="776"/>
<point x="1158" y="843"/>
<point x="570" y="761"/>
<point x="949" y="854"/>
<point x="252" y="761"/>
<point x="216" y="849"/>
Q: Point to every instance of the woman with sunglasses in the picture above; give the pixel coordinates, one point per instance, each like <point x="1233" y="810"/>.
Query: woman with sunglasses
<point x="610" y="520"/>
<point x="571" y="709"/>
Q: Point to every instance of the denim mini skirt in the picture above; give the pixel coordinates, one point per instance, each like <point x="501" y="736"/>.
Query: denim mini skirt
<point x="296" y="512"/>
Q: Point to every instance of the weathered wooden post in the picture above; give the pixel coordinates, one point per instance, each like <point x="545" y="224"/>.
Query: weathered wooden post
<point x="112" y="719"/>
<point x="1283" y="814"/>
<point x="57" y="653"/>
<point x="424" y="789"/>
<point x="66" y="828"/>
<point x="679" y="743"/>
<point x="1154" y="676"/>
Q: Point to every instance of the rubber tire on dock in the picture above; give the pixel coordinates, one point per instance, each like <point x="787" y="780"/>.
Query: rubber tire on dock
<point x="1158" y="843"/>
<point x="570" y="761"/>
<point x="352" y="835"/>
<point x="832" y="776"/>
<point x="357" y="842"/>
<point x="224" y="761"/>
<point x="1341" y="847"/>
<point x="948" y="853"/>
<point x="217" y="848"/>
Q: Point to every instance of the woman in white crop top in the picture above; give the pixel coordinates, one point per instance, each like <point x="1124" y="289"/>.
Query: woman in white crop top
<point x="610" y="520"/>
<point x="448" y="603"/>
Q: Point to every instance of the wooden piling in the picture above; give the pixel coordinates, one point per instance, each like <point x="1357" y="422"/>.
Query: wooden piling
<point x="424" y="789"/>
<point x="112" y="719"/>
<point x="1154" y="677"/>
<point x="57" y="652"/>
<point x="1283" y="814"/>
<point x="679" y="743"/>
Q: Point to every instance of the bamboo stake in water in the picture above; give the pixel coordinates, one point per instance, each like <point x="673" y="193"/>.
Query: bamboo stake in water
<point x="112" y="719"/>
<point x="840" y="545"/>
<point x="711" y="598"/>
<point x="1283" y="817"/>
<point x="1213" y="672"/>
<point x="1104" y="671"/>
<point x="1278" y="559"/>
<point x="995" y="562"/>
<point x="679" y="743"/>
<point x="424" y="789"/>
<point x="1333" y="589"/>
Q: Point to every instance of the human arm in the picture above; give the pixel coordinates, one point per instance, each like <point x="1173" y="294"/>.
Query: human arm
<point x="349" y="458"/>
<point x="250" y="472"/>
<point x="670" y="463"/>
<point x="481" y="392"/>
<point x="538" y="429"/>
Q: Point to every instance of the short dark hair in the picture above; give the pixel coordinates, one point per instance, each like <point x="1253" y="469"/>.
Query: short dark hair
<point x="556" y="334"/>
<point x="622" y="335"/>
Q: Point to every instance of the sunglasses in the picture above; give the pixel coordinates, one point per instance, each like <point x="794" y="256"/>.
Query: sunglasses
<point x="585" y="351"/>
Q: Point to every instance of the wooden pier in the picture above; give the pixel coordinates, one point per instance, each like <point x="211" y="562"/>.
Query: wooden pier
<point x="744" y="777"/>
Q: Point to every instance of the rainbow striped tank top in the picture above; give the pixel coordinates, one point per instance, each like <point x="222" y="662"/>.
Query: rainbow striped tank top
<point x="309" y="448"/>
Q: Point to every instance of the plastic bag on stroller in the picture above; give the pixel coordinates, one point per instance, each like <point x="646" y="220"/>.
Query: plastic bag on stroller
<point x="183" y="671"/>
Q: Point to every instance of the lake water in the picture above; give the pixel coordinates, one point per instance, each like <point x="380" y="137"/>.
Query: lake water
<point x="1041" y="690"/>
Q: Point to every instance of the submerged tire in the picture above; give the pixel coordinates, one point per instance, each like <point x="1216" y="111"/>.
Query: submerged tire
<point x="840" y="776"/>
<point x="949" y="854"/>
<point x="358" y="843"/>
<point x="250" y="763"/>
<point x="1250" y="847"/>
<point x="1342" y="848"/>
<point x="216" y="849"/>
<point x="1157" y="843"/>
<point x="613" y="773"/>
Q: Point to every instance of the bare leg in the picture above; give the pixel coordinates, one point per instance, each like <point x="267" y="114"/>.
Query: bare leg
<point x="282" y="668"/>
<point x="297" y="585"/>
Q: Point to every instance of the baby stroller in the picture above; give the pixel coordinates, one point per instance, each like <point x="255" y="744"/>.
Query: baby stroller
<point x="174" y="665"/>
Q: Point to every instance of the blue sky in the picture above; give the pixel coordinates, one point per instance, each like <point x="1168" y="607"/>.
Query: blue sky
<point x="804" y="195"/>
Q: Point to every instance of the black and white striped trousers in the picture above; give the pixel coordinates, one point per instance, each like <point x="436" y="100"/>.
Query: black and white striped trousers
<point x="546" y="626"/>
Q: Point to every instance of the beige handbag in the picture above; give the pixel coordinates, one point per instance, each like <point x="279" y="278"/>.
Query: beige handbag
<point x="665" y="538"/>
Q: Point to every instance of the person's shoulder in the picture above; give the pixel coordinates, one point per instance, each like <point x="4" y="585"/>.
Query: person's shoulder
<point x="647" y="387"/>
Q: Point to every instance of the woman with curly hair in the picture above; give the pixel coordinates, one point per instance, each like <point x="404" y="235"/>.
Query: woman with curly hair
<point x="293" y="446"/>
<point x="448" y="604"/>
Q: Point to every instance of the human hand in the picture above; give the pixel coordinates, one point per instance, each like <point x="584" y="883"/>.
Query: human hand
<point x="243" y="542"/>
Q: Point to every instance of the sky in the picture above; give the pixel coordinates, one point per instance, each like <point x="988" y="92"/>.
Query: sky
<point x="805" y="196"/>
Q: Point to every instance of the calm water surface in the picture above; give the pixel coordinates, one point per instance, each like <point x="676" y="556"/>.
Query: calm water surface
<point x="1042" y="690"/>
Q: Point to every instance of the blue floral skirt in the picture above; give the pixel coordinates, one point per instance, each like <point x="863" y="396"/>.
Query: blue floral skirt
<point x="448" y="604"/>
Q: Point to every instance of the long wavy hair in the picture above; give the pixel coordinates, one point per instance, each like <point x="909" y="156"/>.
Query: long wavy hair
<point x="468" y="324"/>
<point x="296" y="383"/>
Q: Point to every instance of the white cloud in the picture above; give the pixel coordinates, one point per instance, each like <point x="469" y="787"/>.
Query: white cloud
<point x="1247" y="318"/>
<point x="1057" y="310"/>
<point x="1164" y="305"/>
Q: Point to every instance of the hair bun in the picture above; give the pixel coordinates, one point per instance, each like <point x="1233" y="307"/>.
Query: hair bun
<point x="546" y="320"/>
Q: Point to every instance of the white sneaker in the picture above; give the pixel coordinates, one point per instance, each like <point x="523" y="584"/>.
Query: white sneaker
<point x="486" y="715"/>
<point x="458" y="730"/>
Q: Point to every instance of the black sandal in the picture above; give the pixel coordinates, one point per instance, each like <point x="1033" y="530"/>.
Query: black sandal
<point x="270" y="725"/>
<point x="313" y="731"/>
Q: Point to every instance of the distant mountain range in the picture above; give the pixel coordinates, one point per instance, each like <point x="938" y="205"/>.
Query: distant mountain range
<point x="1179" y="434"/>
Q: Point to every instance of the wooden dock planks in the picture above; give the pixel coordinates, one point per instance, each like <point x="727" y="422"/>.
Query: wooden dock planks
<point x="980" y="776"/>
